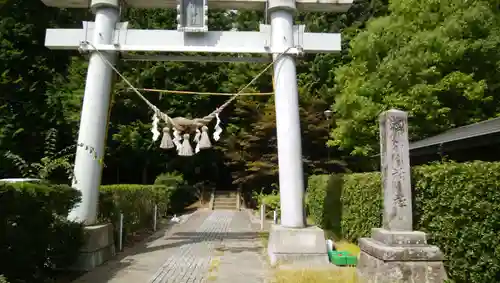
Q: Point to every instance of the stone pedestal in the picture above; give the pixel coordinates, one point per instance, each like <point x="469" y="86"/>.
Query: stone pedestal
<point x="297" y="246"/>
<point x="396" y="253"/>
<point x="98" y="248"/>
<point x="393" y="256"/>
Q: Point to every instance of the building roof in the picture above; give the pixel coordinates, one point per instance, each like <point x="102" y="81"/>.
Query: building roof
<point x="470" y="131"/>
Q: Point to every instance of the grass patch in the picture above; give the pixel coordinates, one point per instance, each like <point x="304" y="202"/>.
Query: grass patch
<point x="213" y="269"/>
<point x="212" y="278"/>
<point x="214" y="265"/>
<point x="334" y="275"/>
<point x="347" y="247"/>
<point x="264" y="238"/>
<point x="310" y="220"/>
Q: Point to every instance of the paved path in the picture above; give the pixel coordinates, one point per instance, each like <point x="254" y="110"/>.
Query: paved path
<point x="211" y="246"/>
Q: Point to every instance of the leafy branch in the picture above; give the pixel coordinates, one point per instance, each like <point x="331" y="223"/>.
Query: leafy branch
<point x="51" y="161"/>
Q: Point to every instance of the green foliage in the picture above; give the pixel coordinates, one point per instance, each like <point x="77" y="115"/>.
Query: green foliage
<point x="27" y="109"/>
<point x="136" y="202"/>
<point x="457" y="204"/>
<point x="42" y="88"/>
<point x="182" y="194"/>
<point x="181" y="197"/>
<point x="3" y="279"/>
<point x="170" y="179"/>
<point x="436" y="60"/>
<point x="272" y="201"/>
<point x="252" y="149"/>
<point x="51" y="162"/>
<point x="35" y="237"/>
<point x="336" y="203"/>
<point x="315" y="198"/>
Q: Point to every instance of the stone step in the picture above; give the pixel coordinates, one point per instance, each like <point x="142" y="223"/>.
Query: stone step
<point x="225" y="196"/>
<point x="229" y="207"/>
<point x="225" y="199"/>
<point x="225" y="193"/>
<point x="225" y="204"/>
<point x="233" y="203"/>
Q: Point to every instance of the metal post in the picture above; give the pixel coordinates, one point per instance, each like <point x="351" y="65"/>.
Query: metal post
<point x="262" y="216"/>
<point x="120" y="233"/>
<point x="291" y="178"/>
<point x="155" y="215"/>
<point x="94" y="117"/>
<point x="275" y="217"/>
<point x="328" y="114"/>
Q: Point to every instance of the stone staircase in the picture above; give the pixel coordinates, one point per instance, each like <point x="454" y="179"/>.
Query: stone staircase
<point x="225" y="200"/>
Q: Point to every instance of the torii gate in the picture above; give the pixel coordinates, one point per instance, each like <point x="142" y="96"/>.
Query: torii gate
<point x="192" y="35"/>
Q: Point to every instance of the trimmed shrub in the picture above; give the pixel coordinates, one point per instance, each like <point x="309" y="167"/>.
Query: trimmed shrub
<point x="316" y="198"/>
<point x="170" y="179"/>
<point x="457" y="204"/>
<point x="272" y="201"/>
<point x="336" y="203"/>
<point x="136" y="202"/>
<point x="35" y="237"/>
<point x="181" y="195"/>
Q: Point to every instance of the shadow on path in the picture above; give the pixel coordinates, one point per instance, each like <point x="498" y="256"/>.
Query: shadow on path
<point x="141" y="262"/>
<point x="185" y="238"/>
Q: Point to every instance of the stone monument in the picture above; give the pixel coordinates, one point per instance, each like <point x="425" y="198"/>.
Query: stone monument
<point x="396" y="253"/>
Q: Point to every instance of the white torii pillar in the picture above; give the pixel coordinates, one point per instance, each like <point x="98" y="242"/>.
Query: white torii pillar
<point x="291" y="180"/>
<point x="281" y="36"/>
<point x="95" y="112"/>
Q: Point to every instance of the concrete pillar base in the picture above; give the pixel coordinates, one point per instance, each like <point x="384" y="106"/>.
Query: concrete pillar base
<point x="297" y="246"/>
<point x="98" y="248"/>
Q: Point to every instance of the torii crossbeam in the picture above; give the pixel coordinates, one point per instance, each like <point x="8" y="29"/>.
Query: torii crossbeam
<point x="111" y="37"/>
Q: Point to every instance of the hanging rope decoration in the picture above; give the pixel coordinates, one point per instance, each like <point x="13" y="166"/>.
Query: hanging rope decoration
<point x="182" y="127"/>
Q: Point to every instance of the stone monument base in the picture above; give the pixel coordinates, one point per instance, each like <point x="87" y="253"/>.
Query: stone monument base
<point x="297" y="246"/>
<point x="392" y="256"/>
<point x="98" y="247"/>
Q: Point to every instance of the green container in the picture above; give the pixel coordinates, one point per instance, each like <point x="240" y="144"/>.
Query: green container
<point x="342" y="258"/>
<point x="351" y="260"/>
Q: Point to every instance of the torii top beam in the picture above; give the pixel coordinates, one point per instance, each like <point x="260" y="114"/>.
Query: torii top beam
<point x="338" y="6"/>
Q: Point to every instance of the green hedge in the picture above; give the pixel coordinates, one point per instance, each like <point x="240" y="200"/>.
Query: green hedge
<point x="272" y="201"/>
<point x="182" y="195"/>
<point x="136" y="202"/>
<point x="336" y="202"/>
<point x="35" y="237"/>
<point x="457" y="204"/>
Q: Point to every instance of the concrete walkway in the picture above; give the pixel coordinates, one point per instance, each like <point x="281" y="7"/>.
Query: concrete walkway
<point x="211" y="246"/>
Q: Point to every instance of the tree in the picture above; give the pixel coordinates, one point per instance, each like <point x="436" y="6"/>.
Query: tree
<point x="27" y="70"/>
<point x="47" y="87"/>
<point x="48" y="164"/>
<point x="438" y="60"/>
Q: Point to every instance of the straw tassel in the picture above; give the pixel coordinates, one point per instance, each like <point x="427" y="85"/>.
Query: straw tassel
<point x="218" y="129"/>
<point x="166" y="140"/>
<point x="204" y="142"/>
<point x="186" y="149"/>
<point x="154" y="129"/>
<point x="197" y="140"/>
<point x="177" y="139"/>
